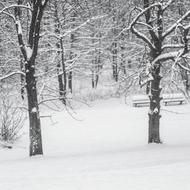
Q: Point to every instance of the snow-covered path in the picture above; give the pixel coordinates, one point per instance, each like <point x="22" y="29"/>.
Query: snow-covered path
<point x="106" y="150"/>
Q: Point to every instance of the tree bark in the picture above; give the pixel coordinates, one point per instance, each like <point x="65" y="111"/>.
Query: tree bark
<point x="64" y="72"/>
<point x="114" y="62"/>
<point x="70" y="74"/>
<point x="22" y="78"/>
<point x="33" y="110"/>
<point x="70" y="81"/>
<point x="154" y="112"/>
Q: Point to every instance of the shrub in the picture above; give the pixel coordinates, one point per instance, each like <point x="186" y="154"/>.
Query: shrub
<point x="11" y="120"/>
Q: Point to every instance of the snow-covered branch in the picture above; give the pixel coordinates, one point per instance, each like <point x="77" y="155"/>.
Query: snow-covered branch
<point x="135" y="21"/>
<point x="173" y="46"/>
<point x="145" y="24"/>
<point x="166" y="56"/>
<point x="176" y="55"/>
<point x="5" y="9"/>
<point x="143" y="37"/>
<point x="11" y="74"/>
<point x="142" y="13"/>
<point x="6" y="13"/>
<point x="172" y="28"/>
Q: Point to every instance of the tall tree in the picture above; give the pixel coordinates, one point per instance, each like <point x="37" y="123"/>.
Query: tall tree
<point x="29" y="50"/>
<point x="151" y="26"/>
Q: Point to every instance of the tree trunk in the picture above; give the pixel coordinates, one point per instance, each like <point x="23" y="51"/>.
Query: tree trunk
<point x="33" y="110"/>
<point x="72" y="46"/>
<point x="122" y="46"/>
<point x="114" y="61"/>
<point x="62" y="81"/>
<point x="70" y="74"/>
<point x="70" y="81"/>
<point x="22" y="78"/>
<point x="114" y="48"/>
<point x="154" y="112"/>
<point x="95" y="70"/>
<point x="62" y="78"/>
<point x="64" y="72"/>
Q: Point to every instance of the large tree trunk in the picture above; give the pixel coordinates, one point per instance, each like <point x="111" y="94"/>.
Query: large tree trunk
<point x="154" y="112"/>
<point x="33" y="110"/>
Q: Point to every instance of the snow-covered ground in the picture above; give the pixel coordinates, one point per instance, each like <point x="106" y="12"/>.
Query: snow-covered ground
<point x="104" y="149"/>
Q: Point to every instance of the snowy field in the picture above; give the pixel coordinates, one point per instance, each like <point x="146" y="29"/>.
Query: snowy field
<point x="104" y="149"/>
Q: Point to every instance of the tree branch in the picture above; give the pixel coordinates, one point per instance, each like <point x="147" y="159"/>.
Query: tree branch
<point x="168" y="4"/>
<point x="143" y="37"/>
<point x="11" y="74"/>
<point x="172" y="28"/>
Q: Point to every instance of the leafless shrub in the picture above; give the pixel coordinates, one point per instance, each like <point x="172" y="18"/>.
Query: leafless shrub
<point x="11" y="120"/>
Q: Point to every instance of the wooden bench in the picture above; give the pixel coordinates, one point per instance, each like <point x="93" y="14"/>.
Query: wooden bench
<point x="143" y="100"/>
<point x="173" y="98"/>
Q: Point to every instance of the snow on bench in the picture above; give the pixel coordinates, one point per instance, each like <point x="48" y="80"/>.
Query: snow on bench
<point x="143" y="100"/>
<point x="140" y="100"/>
<point x="173" y="98"/>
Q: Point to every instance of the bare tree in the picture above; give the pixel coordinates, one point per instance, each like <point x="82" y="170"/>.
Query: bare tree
<point x="150" y="26"/>
<point x="29" y="50"/>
